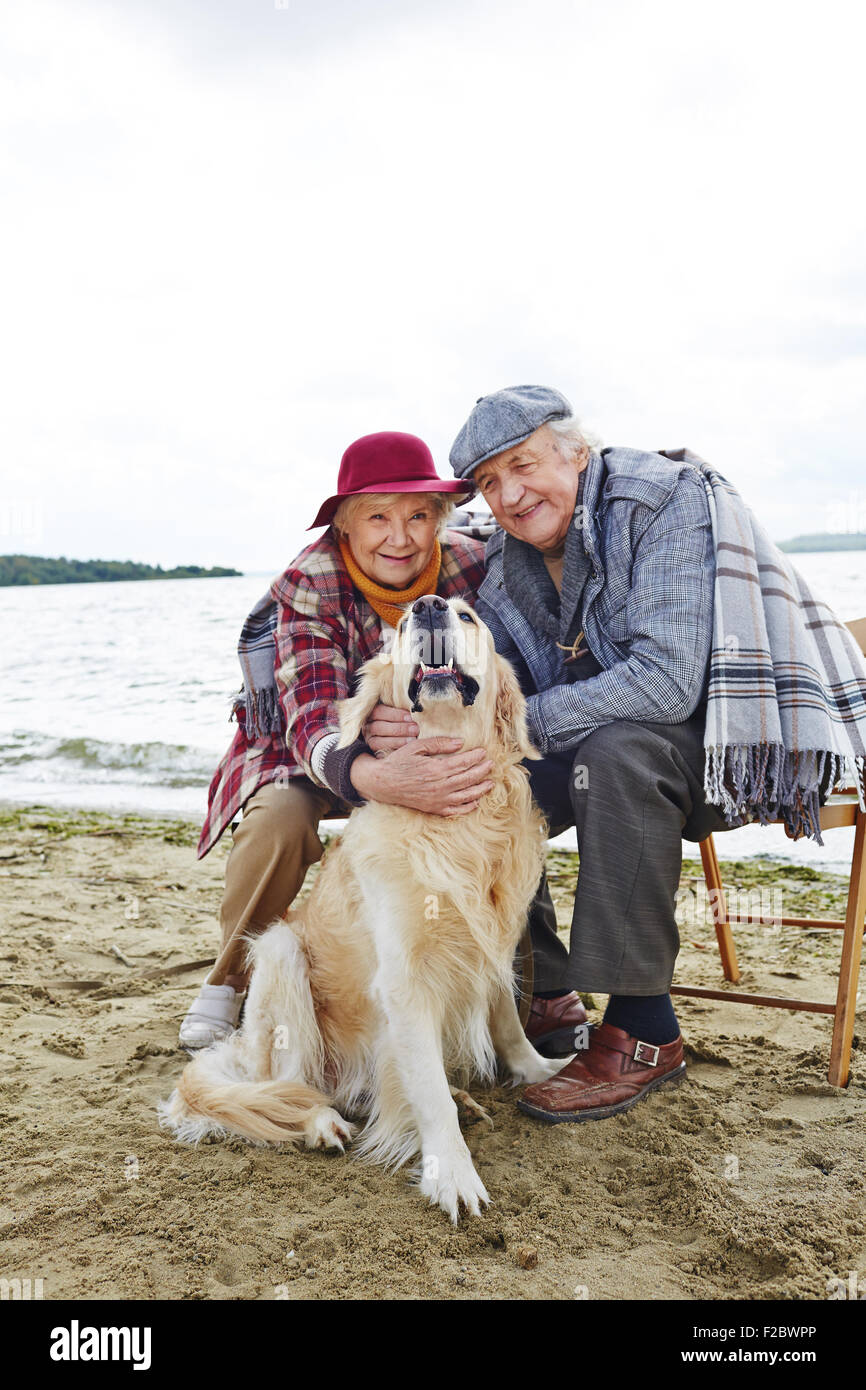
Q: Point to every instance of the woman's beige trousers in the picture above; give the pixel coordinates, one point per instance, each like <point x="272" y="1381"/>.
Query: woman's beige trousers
<point x="273" y="845"/>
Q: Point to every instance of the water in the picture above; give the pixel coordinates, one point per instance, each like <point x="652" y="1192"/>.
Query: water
<point x="117" y="696"/>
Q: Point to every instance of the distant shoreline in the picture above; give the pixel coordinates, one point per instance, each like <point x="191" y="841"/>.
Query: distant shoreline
<point x="30" y="571"/>
<point x="825" y="542"/>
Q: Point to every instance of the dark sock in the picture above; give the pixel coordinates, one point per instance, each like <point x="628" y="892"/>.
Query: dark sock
<point x="551" y="993"/>
<point x="649" y="1017"/>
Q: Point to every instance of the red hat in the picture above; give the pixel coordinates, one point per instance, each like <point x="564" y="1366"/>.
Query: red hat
<point x="387" y="462"/>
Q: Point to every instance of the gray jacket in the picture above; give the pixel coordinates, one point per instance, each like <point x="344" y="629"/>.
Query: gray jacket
<point x="647" y="603"/>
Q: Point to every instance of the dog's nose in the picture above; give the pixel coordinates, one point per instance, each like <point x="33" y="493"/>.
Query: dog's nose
<point x="433" y="636"/>
<point x="429" y="601"/>
<point x="431" y="612"/>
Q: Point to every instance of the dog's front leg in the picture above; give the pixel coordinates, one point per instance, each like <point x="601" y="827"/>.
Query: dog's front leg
<point x="448" y="1175"/>
<point x="512" y="1045"/>
<point x="412" y="1048"/>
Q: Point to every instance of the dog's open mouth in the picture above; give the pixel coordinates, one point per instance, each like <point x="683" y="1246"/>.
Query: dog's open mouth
<point x="437" y="678"/>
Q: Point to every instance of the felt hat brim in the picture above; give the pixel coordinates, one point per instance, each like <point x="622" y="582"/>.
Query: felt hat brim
<point x="326" y="512"/>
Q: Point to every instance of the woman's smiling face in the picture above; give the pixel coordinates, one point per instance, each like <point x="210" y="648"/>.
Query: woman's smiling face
<point x="393" y="544"/>
<point x="532" y="489"/>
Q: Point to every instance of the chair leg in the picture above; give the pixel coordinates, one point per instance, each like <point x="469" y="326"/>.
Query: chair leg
<point x="719" y="902"/>
<point x="849" y="970"/>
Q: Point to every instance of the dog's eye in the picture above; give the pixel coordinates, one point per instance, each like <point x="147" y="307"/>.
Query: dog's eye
<point x="466" y="618"/>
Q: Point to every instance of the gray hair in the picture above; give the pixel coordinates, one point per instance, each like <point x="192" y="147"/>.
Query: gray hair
<point x="570" y="431"/>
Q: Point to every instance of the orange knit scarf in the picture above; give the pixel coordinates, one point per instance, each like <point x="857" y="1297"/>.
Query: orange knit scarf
<point x="388" y="603"/>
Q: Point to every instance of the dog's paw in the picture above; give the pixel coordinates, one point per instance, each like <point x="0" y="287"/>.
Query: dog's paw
<point x="451" y="1182"/>
<point x="326" y="1129"/>
<point x="534" y="1067"/>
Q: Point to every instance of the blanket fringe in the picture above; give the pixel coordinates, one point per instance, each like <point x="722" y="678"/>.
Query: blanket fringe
<point x="763" y="782"/>
<point x="262" y="712"/>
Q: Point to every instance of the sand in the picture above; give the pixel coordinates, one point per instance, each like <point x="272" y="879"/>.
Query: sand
<point x="748" y="1181"/>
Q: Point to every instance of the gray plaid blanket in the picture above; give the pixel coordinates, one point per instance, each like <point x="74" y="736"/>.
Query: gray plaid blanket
<point x="786" y="708"/>
<point x="258" y="694"/>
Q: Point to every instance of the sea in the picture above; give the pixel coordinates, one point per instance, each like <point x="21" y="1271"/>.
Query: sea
<point x="116" y="696"/>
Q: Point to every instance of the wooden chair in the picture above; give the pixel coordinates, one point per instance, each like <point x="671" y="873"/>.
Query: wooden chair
<point x="841" y="809"/>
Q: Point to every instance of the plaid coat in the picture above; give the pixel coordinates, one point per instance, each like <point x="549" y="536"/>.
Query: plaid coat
<point x="326" y="630"/>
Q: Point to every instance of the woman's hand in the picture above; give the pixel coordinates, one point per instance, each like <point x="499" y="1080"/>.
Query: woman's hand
<point x="426" y="774"/>
<point x="388" y="729"/>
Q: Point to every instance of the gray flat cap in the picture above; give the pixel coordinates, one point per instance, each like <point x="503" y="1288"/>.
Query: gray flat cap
<point x="503" y="420"/>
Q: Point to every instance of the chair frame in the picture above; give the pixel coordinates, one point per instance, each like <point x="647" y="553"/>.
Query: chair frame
<point x="842" y="809"/>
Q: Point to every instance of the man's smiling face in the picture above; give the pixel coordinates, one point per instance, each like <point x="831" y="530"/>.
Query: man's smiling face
<point x="532" y="488"/>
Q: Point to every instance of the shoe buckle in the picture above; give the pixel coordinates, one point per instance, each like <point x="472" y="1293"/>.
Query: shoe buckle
<point x="646" y="1054"/>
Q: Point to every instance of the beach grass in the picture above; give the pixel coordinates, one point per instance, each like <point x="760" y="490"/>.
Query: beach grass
<point x="757" y="884"/>
<point x="61" y="822"/>
<point x="809" y="892"/>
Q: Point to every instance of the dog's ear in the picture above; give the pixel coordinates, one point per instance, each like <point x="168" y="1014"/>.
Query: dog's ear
<point x="510" y="714"/>
<point x="375" y="686"/>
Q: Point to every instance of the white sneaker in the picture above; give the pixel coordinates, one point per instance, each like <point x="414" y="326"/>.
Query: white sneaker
<point x="213" y="1016"/>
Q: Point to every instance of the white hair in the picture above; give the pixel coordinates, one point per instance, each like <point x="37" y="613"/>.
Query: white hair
<point x="440" y="503"/>
<point x="571" y="431"/>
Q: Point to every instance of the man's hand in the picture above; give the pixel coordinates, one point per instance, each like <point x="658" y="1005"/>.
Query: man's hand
<point x="388" y="729"/>
<point x="428" y="774"/>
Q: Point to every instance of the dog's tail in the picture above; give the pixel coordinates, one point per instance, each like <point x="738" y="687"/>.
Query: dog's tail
<point x="266" y="1081"/>
<point x="269" y="1112"/>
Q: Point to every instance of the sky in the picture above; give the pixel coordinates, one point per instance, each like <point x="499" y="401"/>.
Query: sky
<point x="238" y="234"/>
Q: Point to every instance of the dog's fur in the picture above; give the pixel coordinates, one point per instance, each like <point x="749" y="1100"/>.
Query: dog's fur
<point x="398" y="969"/>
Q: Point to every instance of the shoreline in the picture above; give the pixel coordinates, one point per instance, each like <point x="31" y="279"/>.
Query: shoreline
<point x="831" y="861"/>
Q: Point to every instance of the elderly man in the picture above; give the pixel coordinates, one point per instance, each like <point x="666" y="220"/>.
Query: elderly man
<point x="599" y="589"/>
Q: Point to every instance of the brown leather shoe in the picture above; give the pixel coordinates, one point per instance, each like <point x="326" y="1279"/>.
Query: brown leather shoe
<point x="552" y="1023"/>
<point x="613" y="1074"/>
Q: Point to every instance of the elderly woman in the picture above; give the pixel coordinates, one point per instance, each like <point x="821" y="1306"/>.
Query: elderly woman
<point x="386" y="545"/>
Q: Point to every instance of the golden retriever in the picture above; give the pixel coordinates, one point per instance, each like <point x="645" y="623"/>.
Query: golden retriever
<point x="398" y="970"/>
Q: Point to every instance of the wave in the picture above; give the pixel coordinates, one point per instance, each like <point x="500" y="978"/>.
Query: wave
<point x="40" y="757"/>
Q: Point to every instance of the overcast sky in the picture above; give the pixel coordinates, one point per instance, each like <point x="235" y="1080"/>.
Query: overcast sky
<point x="236" y="235"/>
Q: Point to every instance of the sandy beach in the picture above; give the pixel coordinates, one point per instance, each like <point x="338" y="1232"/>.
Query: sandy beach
<point x="748" y="1181"/>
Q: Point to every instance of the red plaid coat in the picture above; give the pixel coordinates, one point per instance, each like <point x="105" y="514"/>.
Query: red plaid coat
<point x="325" y="632"/>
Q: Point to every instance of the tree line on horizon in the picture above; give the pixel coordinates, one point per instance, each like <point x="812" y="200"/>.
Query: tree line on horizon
<point x="826" y="540"/>
<point x="25" y="570"/>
